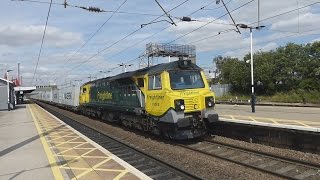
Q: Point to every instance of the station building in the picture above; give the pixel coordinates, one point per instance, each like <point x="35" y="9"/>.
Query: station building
<point x="4" y="95"/>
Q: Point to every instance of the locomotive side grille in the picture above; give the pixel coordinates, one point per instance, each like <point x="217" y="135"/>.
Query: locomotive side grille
<point x="191" y="103"/>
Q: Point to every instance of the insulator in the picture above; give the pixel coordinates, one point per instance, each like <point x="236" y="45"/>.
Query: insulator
<point x="95" y="9"/>
<point x="187" y="19"/>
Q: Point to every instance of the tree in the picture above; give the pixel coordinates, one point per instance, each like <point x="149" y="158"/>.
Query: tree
<point x="284" y="69"/>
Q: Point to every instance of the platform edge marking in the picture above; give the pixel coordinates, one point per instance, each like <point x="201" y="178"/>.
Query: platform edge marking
<point x="52" y="161"/>
<point x="123" y="163"/>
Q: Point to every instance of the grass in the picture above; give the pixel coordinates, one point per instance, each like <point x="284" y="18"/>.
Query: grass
<point x="294" y="96"/>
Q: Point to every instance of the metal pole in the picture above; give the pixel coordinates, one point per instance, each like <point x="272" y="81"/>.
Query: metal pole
<point x="258" y="13"/>
<point x="252" y="83"/>
<point x="8" y="89"/>
<point x="125" y="68"/>
<point x="231" y="17"/>
<point x="19" y="80"/>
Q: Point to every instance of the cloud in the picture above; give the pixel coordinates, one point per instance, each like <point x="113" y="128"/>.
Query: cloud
<point x="240" y="52"/>
<point x="207" y="38"/>
<point x="315" y="40"/>
<point x="27" y="35"/>
<point x="305" y="21"/>
<point x="21" y="29"/>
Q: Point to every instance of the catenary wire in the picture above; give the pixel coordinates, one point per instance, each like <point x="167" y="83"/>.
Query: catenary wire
<point x="252" y="23"/>
<point x="118" y="11"/>
<point x="205" y="24"/>
<point x="169" y="26"/>
<point x="95" y="33"/>
<point x="156" y="34"/>
<point x="133" y="45"/>
<point x="42" y="40"/>
<point x="209" y="22"/>
<point x="270" y="30"/>
<point x="200" y="26"/>
<point x="123" y="38"/>
<point x="271" y="17"/>
<point x="305" y="33"/>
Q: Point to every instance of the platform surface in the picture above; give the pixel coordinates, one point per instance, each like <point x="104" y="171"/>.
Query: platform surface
<point x="21" y="152"/>
<point x="300" y="117"/>
<point x="63" y="152"/>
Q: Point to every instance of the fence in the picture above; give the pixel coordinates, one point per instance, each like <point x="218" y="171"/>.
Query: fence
<point x="221" y="89"/>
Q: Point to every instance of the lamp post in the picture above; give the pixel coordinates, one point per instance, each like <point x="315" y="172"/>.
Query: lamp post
<point x="253" y="98"/>
<point x="8" y="88"/>
<point x="78" y="81"/>
<point x="125" y="66"/>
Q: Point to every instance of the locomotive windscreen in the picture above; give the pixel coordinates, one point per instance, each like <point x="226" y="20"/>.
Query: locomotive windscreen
<point x="185" y="80"/>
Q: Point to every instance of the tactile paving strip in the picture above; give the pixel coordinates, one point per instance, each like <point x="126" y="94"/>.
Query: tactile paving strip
<point x="304" y="123"/>
<point x="74" y="155"/>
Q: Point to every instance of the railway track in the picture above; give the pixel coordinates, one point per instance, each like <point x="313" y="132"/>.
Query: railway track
<point x="269" y="163"/>
<point x="149" y="165"/>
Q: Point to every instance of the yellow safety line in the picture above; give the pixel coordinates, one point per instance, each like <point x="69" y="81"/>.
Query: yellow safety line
<point x="52" y="162"/>
<point x="88" y="152"/>
<point x="53" y="138"/>
<point x="59" y="143"/>
<point x="313" y="123"/>
<point x="252" y="118"/>
<point x="71" y="148"/>
<point x="279" y="121"/>
<point x="82" y="155"/>
<point x="91" y="169"/>
<point x="73" y="139"/>
<point x="65" y="148"/>
<point x="75" y="168"/>
<point x="110" y="170"/>
<point x="60" y="133"/>
<point x="271" y="119"/>
<point x="303" y="124"/>
<point x="74" y="156"/>
<point x="63" y="143"/>
<point x="120" y="175"/>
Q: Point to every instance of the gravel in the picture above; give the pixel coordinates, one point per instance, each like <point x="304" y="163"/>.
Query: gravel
<point x="204" y="166"/>
<point x="288" y="153"/>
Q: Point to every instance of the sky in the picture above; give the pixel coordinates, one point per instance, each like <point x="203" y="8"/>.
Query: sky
<point x="79" y="44"/>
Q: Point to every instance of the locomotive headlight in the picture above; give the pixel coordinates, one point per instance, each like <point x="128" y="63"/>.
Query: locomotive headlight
<point x="179" y="105"/>
<point x="209" y="102"/>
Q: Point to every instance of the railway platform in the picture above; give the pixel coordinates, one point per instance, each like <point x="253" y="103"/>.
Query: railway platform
<point x="298" y="118"/>
<point x="297" y="128"/>
<point x="36" y="145"/>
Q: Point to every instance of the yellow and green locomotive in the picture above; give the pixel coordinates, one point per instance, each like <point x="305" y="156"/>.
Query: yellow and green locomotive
<point x="173" y="99"/>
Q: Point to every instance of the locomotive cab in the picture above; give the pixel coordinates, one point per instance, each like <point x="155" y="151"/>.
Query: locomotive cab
<point x="181" y="99"/>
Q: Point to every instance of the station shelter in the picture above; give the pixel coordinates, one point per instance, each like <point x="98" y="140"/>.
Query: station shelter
<point x="4" y="103"/>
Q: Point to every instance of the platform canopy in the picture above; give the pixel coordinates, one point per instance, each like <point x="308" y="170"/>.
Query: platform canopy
<point x="25" y="89"/>
<point x="5" y="81"/>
